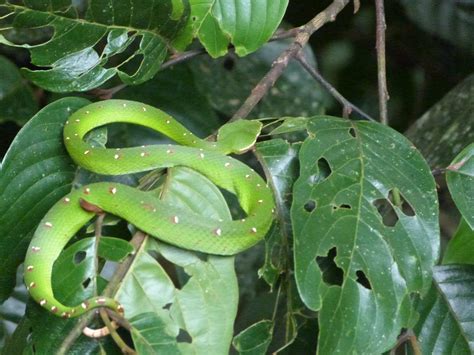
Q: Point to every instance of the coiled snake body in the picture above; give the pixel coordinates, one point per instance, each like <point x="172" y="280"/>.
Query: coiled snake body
<point x="144" y="209"/>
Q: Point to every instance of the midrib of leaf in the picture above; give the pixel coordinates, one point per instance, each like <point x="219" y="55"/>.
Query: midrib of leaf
<point x="83" y="21"/>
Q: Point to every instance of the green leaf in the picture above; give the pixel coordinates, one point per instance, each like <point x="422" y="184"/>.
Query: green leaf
<point x="227" y="82"/>
<point x="198" y="315"/>
<point x="460" y="249"/>
<point x="36" y="172"/>
<point x="347" y="171"/>
<point x="255" y="339"/>
<point x="17" y="102"/>
<point x="460" y="178"/>
<point x="87" y="49"/>
<point x="446" y="313"/>
<point x="246" y="24"/>
<point x="290" y="125"/>
<point x="450" y="20"/>
<point x="280" y="159"/>
<point x="445" y="129"/>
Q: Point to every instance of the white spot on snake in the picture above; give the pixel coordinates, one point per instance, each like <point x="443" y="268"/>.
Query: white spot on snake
<point x="227" y="165"/>
<point x="113" y="190"/>
<point x="117" y="156"/>
<point x="175" y="219"/>
<point x="87" y="191"/>
<point x="185" y="134"/>
<point x="75" y="134"/>
<point x="169" y="151"/>
<point x="68" y="109"/>
<point x="194" y="142"/>
<point x="143" y="154"/>
<point x="253" y="230"/>
<point x="168" y="121"/>
<point x="43" y="302"/>
<point x="201" y="155"/>
<point x="32" y="285"/>
<point x="117" y="149"/>
<point x="260" y="201"/>
<point x="84" y="305"/>
<point x="242" y="220"/>
<point x="87" y="152"/>
<point x="78" y="120"/>
<point x="48" y="225"/>
<point x="247" y="176"/>
<point x="120" y="308"/>
<point x="258" y="185"/>
<point x="65" y="315"/>
<point x="144" y="109"/>
<point x="100" y="300"/>
<point x="87" y="112"/>
<point x="124" y="105"/>
<point x="218" y="232"/>
<point x="30" y="268"/>
<point x="68" y="138"/>
<point x="67" y="122"/>
<point x="35" y="249"/>
<point x="54" y="309"/>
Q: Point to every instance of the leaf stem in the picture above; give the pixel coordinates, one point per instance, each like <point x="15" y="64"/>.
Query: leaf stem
<point x="113" y="333"/>
<point x="348" y="107"/>
<point x="381" y="61"/>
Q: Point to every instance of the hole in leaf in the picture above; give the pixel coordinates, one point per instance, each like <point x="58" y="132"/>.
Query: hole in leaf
<point x="363" y="280"/>
<point x="386" y="211"/>
<point x="175" y="272"/>
<point x="86" y="283"/>
<point x="184" y="337"/>
<point x="344" y="206"/>
<point x="79" y="257"/>
<point x="229" y="64"/>
<point x="194" y="18"/>
<point x="324" y="170"/>
<point x="406" y="207"/>
<point x="167" y="306"/>
<point x="310" y="206"/>
<point x="352" y="132"/>
<point x="332" y="274"/>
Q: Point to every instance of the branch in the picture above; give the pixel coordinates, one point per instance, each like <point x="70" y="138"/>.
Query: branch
<point x="348" y="107"/>
<point x="279" y="65"/>
<point x="382" y="72"/>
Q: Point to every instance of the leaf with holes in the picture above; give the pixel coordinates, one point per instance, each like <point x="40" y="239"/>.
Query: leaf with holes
<point x="255" y="339"/>
<point x="446" y="313"/>
<point x="88" y="47"/>
<point x="36" y="172"/>
<point x="460" y="249"/>
<point x="196" y="315"/>
<point x="460" y="178"/>
<point x="366" y="203"/>
<point x="246" y="24"/>
<point x="73" y="275"/>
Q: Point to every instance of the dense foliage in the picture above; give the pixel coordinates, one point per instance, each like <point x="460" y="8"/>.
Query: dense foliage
<point x="372" y="247"/>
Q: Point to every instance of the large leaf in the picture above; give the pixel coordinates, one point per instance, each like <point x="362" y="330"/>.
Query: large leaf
<point x="460" y="178"/>
<point x="448" y="127"/>
<point x="197" y="315"/>
<point x="452" y="20"/>
<point x="233" y="79"/>
<point x="347" y="171"/>
<point x="88" y="49"/>
<point x="246" y="24"/>
<point x="446" y="313"/>
<point x="17" y="102"/>
<point x="36" y="172"/>
<point x="460" y="249"/>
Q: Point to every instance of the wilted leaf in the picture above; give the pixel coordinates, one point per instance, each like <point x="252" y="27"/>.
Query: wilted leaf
<point x="460" y="178"/>
<point x="36" y="172"/>
<point x="87" y="49"/>
<point x="446" y="313"/>
<point x="348" y="172"/>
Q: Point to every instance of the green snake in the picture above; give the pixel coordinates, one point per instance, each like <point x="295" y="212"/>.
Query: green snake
<point x="144" y="209"/>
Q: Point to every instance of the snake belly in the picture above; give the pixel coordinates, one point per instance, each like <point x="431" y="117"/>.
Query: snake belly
<point x="144" y="209"/>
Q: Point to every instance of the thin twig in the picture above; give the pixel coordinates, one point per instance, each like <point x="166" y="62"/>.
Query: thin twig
<point x="113" y="333"/>
<point x="381" y="63"/>
<point x="137" y="240"/>
<point x="98" y="234"/>
<point x="348" y="107"/>
<point x="407" y="336"/>
<point x="279" y="65"/>
<point x="182" y="57"/>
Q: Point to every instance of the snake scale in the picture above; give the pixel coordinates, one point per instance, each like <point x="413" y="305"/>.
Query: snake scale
<point x="144" y="209"/>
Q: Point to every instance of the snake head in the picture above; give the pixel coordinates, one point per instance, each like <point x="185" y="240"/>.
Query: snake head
<point x="239" y="136"/>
